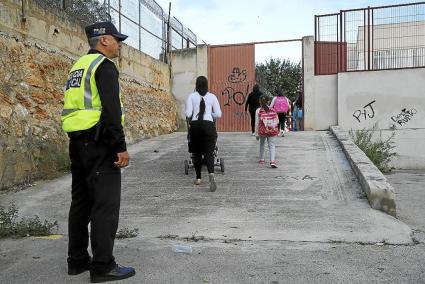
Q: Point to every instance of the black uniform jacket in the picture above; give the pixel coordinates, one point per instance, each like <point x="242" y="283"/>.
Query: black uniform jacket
<point x="107" y="83"/>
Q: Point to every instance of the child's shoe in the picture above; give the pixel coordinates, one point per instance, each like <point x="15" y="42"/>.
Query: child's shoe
<point x="273" y="164"/>
<point x="198" y="181"/>
<point x="261" y="162"/>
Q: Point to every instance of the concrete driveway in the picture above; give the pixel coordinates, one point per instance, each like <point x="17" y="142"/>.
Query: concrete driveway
<point x="307" y="221"/>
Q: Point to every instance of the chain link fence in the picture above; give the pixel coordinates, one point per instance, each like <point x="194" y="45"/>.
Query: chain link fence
<point x="144" y="21"/>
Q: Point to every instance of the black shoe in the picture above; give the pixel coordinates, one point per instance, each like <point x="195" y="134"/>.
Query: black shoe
<point x="75" y="270"/>
<point x="117" y="273"/>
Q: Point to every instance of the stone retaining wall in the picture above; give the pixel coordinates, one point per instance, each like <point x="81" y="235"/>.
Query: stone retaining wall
<point x="35" y="58"/>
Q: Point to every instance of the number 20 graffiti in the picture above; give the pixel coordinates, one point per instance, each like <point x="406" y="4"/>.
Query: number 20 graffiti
<point x="238" y="97"/>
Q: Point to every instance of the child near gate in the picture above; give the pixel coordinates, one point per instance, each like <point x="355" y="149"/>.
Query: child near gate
<point x="266" y="128"/>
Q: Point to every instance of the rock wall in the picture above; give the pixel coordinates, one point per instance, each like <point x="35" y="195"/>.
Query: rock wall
<point x="34" y="62"/>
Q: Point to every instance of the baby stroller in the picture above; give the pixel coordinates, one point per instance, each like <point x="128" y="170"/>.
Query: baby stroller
<point x="188" y="163"/>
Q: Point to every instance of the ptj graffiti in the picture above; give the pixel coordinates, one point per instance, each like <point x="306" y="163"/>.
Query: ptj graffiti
<point x="404" y="116"/>
<point x="365" y="113"/>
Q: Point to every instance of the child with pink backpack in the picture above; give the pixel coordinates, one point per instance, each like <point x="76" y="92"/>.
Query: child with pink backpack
<point x="266" y="128"/>
<point x="282" y="106"/>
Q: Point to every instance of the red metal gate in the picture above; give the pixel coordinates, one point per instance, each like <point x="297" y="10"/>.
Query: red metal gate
<point x="231" y="75"/>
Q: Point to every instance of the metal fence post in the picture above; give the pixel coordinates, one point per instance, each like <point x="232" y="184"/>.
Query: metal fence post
<point x="368" y="38"/>
<point x="140" y="25"/>
<point x="119" y="15"/>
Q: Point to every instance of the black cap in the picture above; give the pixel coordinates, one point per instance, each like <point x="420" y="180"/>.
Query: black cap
<point x="104" y="28"/>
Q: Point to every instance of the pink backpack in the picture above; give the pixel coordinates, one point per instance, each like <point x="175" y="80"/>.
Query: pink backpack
<point x="269" y="123"/>
<point x="281" y="104"/>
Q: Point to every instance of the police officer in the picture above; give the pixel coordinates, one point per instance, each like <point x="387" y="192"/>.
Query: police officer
<point x="93" y="117"/>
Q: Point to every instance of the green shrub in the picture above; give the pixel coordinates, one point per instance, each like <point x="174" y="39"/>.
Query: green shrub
<point x="11" y="227"/>
<point x="379" y="151"/>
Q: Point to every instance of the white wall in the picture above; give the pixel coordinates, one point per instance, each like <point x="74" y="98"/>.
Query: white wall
<point x="389" y="92"/>
<point x="187" y="65"/>
<point x="320" y="93"/>
<point x="393" y="100"/>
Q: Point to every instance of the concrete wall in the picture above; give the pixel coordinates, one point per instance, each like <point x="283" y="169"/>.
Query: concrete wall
<point x="35" y="58"/>
<point x="366" y="98"/>
<point x="320" y="93"/>
<point x="391" y="100"/>
<point x="187" y="65"/>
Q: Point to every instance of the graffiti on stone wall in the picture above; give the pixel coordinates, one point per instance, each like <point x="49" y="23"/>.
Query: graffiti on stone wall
<point x="366" y="113"/>
<point x="404" y="116"/>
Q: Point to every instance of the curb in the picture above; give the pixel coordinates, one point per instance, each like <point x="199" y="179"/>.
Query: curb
<point x="379" y="192"/>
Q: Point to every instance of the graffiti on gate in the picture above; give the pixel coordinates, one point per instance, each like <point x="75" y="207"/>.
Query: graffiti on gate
<point x="237" y="97"/>
<point x="405" y="116"/>
<point x="237" y="76"/>
<point x="241" y="114"/>
<point x="365" y="113"/>
<point x="233" y="93"/>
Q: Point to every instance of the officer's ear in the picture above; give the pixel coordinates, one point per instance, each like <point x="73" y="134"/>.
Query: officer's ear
<point x="103" y="40"/>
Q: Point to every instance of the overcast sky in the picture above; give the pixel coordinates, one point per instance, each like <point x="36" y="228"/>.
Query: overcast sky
<point x="236" y="21"/>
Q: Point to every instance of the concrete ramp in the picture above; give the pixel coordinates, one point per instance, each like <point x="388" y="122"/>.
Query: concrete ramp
<point x="312" y="197"/>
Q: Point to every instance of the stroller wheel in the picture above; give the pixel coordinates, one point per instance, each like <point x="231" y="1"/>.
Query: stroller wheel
<point x="186" y="167"/>
<point x="222" y="165"/>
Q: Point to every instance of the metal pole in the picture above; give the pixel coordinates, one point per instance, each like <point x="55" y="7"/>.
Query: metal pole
<point x="364" y="39"/>
<point x="341" y="46"/>
<point x="168" y="29"/>
<point x="140" y="24"/>
<point x="337" y="43"/>
<point x="372" y="38"/>
<point x="368" y="38"/>
<point x="316" y="39"/>
<point x="23" y="17"/>
<point x="119" y="15"/>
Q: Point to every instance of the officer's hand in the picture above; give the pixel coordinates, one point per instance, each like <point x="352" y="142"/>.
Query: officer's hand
<point x="123" y="159"/>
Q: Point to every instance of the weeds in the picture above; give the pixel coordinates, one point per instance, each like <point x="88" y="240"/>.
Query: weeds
<point x="126" y="233"/>
<point x="11" y="227"/>
<point x="379" y="152"/>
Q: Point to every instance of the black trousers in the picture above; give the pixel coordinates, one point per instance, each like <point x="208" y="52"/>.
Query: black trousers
<point x="96" y="195"/>
<point x="203" y="138"/>
<point x="252" y="114"/>
<point x="282" y="119"/>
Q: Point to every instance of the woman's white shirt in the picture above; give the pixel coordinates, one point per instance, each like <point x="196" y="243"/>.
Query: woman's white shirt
<point x="212" y="106"/>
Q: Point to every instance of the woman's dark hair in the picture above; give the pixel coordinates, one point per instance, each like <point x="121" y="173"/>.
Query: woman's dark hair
<point x="264" y="102"/>
<point x="299" y="101"/>
<point x="201" y="85"/>
<point x="256" y="88"/>
<point x="202" y="89"/>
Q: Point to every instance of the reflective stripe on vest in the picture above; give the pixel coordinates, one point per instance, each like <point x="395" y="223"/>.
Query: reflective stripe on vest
<point x="82" y="105"/>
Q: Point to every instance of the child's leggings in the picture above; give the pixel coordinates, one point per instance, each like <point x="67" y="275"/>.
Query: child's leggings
<point x="270" y="142"/>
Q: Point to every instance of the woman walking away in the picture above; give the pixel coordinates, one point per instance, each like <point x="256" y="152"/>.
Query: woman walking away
<point x="253" y="102"/>
<point x="266" y="128"/>
<point x="202" y="108"/>
<point x="282" y="106"/>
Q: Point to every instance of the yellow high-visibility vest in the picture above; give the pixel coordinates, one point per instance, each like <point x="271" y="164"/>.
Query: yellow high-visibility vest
<point x="82" y="105"/>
